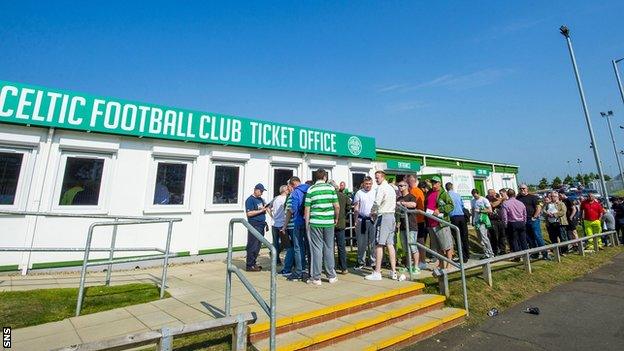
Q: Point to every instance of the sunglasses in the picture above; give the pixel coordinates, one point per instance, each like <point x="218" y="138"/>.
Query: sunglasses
<point x="402" y="185"/>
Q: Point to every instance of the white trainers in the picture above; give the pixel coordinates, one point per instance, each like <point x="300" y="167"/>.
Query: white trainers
<point x="333" y="280"/>
<point x="422" y="265"/>
<point x="395" y="276"/>
<point x="314" y="282"/>
<point x="373" y="276"/>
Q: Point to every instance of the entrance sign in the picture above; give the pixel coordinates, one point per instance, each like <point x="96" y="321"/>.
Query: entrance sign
<point x="398" y="165"/>
<point x="482" y="172"/>
<point x="31" y="105"/>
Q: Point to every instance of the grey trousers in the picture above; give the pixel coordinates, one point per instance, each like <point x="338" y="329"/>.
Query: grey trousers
<point x="321" y="252"/>
<point x="365" y="242"/>
<point x="485" y="240"/>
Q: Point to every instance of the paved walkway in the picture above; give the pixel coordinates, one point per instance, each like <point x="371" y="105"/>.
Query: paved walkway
<point x="586" y="314"/>
<point x="197" y="291"/>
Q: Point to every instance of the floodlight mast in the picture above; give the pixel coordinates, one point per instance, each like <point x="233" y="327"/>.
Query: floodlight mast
<point x="565" y="31"/>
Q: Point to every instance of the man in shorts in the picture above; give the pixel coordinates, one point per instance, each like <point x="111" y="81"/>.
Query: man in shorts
<point x="440" y="204"/>
<point x="383" y="212"/>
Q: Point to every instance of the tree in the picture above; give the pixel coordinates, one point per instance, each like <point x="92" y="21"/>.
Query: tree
<point x="579" y="178"/>
<point x="556" y="183"/>
<point x="587" y="178"/>
<point x="607" y="177"/>
<point x="543" y="184"/>
<point x="568" y="180"/>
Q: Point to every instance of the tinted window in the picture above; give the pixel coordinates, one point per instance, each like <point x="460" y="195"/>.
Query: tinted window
<point x="225" y="185"/>
<point x="10" y="166"/>
<point x="170" y="183"/>
<point x="81" y="181"/>
<point x="280" y="177"/>
<point x="357" y="179"/>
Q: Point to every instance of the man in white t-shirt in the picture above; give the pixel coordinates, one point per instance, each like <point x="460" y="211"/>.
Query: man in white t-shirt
<point x="279" y="216"/>
<point x="365" y="226"/>
<point x="481" y="208"/>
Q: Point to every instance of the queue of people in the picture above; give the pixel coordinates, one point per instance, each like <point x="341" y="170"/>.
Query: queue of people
<point x="309" y="222"/>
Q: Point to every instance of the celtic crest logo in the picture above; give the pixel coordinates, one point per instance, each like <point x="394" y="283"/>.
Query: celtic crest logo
<point x="355" y="145"/>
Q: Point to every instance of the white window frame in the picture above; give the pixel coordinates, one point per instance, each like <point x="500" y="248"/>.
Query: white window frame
<point x="25" y="176"/>
<point x="150" y="207"/>
<point x="273" y="167"/>
<point x="240" y="205"/>
<point x="105" y="185"/>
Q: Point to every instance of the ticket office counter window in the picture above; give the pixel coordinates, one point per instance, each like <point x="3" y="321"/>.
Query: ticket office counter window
<point x="82" y="181"/>
<point x="10" y="168"/>
<point x="357" y="179"/>
<point x="171" y="180"/>
<point x="281" y="177"/>
<point x="226" y="184"/>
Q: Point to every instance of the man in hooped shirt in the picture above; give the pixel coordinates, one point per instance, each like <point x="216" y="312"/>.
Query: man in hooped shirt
<point x="255" y="208"/>
<point x="295" y="215"/>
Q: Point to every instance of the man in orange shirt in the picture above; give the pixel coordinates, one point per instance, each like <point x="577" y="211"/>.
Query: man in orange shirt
<point x="412" y="181"/>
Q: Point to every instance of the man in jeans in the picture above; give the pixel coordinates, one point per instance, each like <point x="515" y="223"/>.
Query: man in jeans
<point x="255" y="208"/>
<point x="458" y="218"/>
<point x="497" y="232"/>
<point x="364" y="228"/>
<point x="514" y="216"/>
<point x="533" y="223"/>
<point x="279" y="215"/>
<point x="480" y="210"/>
<point x="295" y="214"/>
<point x="321" y="216"/>
<point x="344" y="201"/>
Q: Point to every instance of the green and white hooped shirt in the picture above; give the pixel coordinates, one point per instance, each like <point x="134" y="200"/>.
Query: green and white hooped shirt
<point x="321" y="198"/>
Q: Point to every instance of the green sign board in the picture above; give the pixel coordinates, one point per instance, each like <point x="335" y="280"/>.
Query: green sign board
<point x="31" y="105"/>
<point x="398" y="165"/>
<point x="482" y="172"/>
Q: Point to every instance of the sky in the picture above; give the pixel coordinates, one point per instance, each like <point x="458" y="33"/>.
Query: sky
<point x="486" y="80"/>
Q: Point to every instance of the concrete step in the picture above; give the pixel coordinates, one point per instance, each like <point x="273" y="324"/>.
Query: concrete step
<point x="402" y="333"/>
<point x="354" y="324"/>
<point x="304" y="319"/>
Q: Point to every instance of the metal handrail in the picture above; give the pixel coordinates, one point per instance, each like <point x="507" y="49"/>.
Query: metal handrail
<point x="127" y="220"/>
<point x="530" y="251"/>
<point x="460" y="265"/>
<point x="269" y="309"/>
<point x="111" y="261"/>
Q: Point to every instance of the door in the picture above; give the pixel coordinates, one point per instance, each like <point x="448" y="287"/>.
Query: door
<point x="281" y="177"/>
<point x="480" y="186"/>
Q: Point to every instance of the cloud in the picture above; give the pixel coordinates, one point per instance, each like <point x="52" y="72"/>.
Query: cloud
<point x="507" y="29"/>
<point x="392" y="87"/>
<point x="451" y="81"/>
<point x="404" y="106"/>
<point x="466" y="81"/>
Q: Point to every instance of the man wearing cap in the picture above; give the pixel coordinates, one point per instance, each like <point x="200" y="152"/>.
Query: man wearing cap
<point x="440" y="204"/>
<point x="255" y="208"/>
<point x="412" y="182"/>
<point x="383" y="212"/>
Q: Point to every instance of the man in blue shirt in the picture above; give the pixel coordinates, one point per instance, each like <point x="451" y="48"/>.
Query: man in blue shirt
<point x="255" y="208"/>
<point x="299" y="238"/>
<point x="458" y="218"/>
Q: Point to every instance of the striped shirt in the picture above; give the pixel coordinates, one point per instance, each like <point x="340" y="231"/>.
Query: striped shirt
<point x="321" y="198"/>
<point x="291" y="223"/>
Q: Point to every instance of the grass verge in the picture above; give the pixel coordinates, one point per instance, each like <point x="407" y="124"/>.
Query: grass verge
<point x="20" y="309"/>
<point x="512" y="285"/>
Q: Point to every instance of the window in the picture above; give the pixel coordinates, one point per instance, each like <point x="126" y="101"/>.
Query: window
<point x="10" y="167"/>
<point x="170" y="184"/>
<point x="82" y="180"/>
<point x="313" y="169"/>
<point x="357" y="179"/>
<point x="281" y="177"/>
<point x="226" y="184"/>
